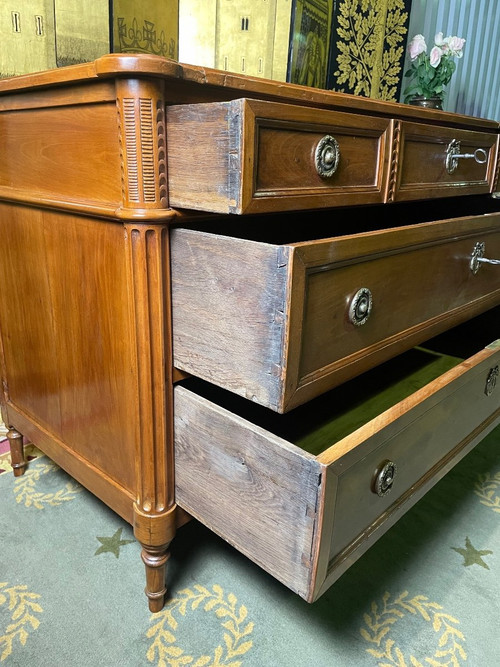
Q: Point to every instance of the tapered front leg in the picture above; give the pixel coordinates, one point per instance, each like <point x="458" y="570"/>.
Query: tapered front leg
<point x="155" y="532"/>
<point x="155" y="559"/>
<point x="17" y="459"/>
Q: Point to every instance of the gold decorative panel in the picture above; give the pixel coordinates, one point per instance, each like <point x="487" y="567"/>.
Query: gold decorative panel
<point x="368" y="47"/>
<point x="247" y="36"/>
<point x="27" y="35"/>
<point x="43" y="34"/>
<point x="146" y="26"/>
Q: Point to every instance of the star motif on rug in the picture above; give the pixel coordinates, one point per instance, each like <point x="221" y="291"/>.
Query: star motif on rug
<point x="112" y="544"/>
<point x="473" y="556"/>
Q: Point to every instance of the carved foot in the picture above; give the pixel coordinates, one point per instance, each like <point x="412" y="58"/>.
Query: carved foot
<point x="155" y="559"/>
<point x="18" y="461"/>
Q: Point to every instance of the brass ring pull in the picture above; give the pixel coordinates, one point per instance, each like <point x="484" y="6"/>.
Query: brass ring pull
<point x="477" y="258"/>
<point x="327" y="156"/>
<point x="453" y="155"/>
<point x="360" y="307"/>
<point x="383" y="478"/>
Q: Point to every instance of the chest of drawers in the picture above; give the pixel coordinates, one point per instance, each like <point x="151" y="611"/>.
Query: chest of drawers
<point x="268" y="307"/>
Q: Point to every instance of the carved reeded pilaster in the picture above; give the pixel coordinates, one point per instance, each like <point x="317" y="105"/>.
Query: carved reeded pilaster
<point x="496" y="178"/>
<point x="395" y="157"/>
<point x="154" y="510"/>
<point x="143" y="151"/>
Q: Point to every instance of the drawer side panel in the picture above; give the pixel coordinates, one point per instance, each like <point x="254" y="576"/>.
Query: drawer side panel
<point x="255" y="490"/>
<point x="230" y="313"/>
<point x="204" y="156"/>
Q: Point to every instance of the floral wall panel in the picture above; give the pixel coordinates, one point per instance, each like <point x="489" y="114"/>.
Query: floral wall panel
<point x="368" y="43"/>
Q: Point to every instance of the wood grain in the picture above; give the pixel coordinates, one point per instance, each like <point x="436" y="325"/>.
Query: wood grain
<point x="246" y="157"/>
<point x="422" y="415"/>
<point x="422" y="173"/>
<point x="270" y="322"/>
<point x="258" y="492"/>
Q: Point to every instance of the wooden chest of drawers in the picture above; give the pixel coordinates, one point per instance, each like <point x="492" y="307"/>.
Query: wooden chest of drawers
<point x="220" y="292"/>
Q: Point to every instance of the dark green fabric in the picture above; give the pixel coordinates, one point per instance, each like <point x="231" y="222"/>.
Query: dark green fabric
<point x="427" y="593"/>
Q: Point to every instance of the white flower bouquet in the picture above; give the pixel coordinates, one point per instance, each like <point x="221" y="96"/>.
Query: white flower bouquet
<point x="431" y="72"/>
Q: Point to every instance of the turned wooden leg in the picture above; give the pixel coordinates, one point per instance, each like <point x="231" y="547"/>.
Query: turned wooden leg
<point x="155" y="533"/>
<point x="17" y="459"/>
<point x="155" y="559"/>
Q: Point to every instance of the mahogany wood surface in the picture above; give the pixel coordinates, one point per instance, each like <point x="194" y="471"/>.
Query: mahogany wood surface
<point x="87" y="193"/>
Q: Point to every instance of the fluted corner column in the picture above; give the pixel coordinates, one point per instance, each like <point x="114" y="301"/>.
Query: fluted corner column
<point x="154" y="509"/>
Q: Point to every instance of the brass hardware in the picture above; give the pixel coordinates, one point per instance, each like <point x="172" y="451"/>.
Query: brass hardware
<point x="360" y="307"/>
<point x="327" y="156"/>
<point x="477" y="258"/>
<point x="383" y="478"/>
<point x="453" y="155"/>
<point x="491" y="380"/>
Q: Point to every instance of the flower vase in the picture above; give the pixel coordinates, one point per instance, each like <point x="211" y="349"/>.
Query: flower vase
<point x="427" y="102"/>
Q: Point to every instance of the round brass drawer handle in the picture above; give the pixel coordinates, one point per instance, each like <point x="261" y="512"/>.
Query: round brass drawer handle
<point x="360" y="307"/>
<point x="383" y="478"/>
<point x="327" y="156"/>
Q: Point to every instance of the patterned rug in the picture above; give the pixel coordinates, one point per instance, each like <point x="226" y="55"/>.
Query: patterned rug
<point x="71" y="586"/>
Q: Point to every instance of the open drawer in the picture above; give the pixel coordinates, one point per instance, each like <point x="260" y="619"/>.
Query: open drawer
<point x="280" y="323"/>
<point x="251" y="156"/>
<point x="306" y="493"/>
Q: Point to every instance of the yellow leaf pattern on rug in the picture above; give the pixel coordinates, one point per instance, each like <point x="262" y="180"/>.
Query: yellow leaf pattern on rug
<point x="380" y="622"/>
<point x="164" y="648"/>
<point x="26" y="493"/>
<point x="486" y="487"/>
<point x="22" y="620"/>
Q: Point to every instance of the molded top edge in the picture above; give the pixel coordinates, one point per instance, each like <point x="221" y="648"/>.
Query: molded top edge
<point x="122" y="65"/>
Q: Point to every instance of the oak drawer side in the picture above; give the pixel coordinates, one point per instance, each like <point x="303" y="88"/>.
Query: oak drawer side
<point x="255" y="490"/>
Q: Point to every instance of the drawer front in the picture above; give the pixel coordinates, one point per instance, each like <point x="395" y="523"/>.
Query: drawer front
<point x="430" y="432"/>
<point x="247" y="156"/>
<point x="281" y="324"/>
<point x="305" y="517"/>
<point x="428" y="166"/>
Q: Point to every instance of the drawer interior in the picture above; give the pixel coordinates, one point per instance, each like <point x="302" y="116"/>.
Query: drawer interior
<point x="276" y="229"/>
<point x="317" y="425"/>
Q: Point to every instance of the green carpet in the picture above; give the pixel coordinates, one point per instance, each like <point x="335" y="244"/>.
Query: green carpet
<point x="71" y="586"/>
